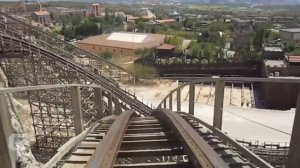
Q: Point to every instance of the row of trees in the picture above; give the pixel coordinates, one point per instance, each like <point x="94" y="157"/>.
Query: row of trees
<point x="76" y="26"/>
<point x="292" y="48"/>
<point x="204" y="50"/>
<point x="86" y="28"/>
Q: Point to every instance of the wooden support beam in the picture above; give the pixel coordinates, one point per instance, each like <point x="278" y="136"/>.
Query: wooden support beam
<point x="192" y="99"/>
<point x="159" y="106"/>
<point x="77" y="110"/>
<point x="171" y="101"/>
<point x="109" y="99"/>
<point x="99" y="102"/>
<point x="218" y="106"/>
<point x="118" y="109"/>
<point x="178" y="99"/>
<point x="7" y="153"/>
<point x="165" y="104"/>
<point x="294" y="152"/>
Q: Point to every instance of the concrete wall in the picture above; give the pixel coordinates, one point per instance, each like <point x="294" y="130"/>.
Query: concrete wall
<point x="289" y="36"/>
<point x="280" y="95"/>
<point x="233" y="69"/>
<point x="273" y="55"/>
<point x="41" y="19"/>
<point x="296" y="36"/>
<point x="96" y="49"/>
<point x="285" y="35"/>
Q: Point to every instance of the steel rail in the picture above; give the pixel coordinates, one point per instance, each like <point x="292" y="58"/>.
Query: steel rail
<point x="201" y="153"/>
<point x="107" y="151"/>
<point x="105" y="83"/>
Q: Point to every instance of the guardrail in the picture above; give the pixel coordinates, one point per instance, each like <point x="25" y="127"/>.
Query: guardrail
<point x="104" y="102"/>
<point x="294" y="153"/>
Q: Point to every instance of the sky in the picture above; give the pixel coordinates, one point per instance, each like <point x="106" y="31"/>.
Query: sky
<point x="221" y="1"/>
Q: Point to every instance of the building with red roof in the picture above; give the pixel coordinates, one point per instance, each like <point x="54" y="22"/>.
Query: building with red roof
<point x="41" y="16"/>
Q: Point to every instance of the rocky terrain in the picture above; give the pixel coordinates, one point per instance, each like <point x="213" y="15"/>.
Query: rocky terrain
<point x="25" y="157"/>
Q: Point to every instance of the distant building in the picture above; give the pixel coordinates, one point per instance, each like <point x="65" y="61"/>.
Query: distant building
<point x="121" y="43"/>
<point x="165" y="51"/>
<point x="96" y="12"/>
<point x="147" y="14"/>
<point x="287" y="68"/>
<point x="273" y="53"/>
<point x="290" y="34"/>
<point x="41" y="16"/>
<point x="166" y="21"/>
<point x="144" y="13"/>
<point x="274" y="68"/>
<point x="240" y="39"/>
<point x="174" y="14"/>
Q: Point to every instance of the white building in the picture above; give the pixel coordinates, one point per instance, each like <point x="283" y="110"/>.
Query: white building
<point x="290" y="34"/>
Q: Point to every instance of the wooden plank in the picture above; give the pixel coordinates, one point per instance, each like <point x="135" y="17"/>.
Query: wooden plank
<point x="7" y="153"/>
<point x="150" y="152"/>
<point x="99" y="102"/>
<point x="106" y="152"/>
<point x="225" y="138"/>
<point x="294" y="153"/>
<point x="66" y="147"/>
<point x="218" y="105"/>
<point x="178" y="99"/>
<point x="77" y="110"/>
<point x="155" y="165"/>
<point x="192" y="99"/>
<point x="196" y="147"/>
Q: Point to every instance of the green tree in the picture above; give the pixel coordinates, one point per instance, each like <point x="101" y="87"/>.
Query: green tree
<point x="153" y="30"/>
<point x="195" y="50"/>
<point x="106" y="12"/>
<point x="174" y="40"/>
<point x="87" y="28"/>
<point x="141" y="25"/>
<point x="76" y="19"/>
<point x="210" y="52"/>
<point x="258" y="40"/>
<point x="68" y="33"/>
<point x="189" y="24"/>
<point x="106" y="55"/>
<point x="146" y="52"/>
<point x="267" y="34"/>
<point x="290" y="46"/>
<point x="142" y="71"/>
<point x="274" y="36"/>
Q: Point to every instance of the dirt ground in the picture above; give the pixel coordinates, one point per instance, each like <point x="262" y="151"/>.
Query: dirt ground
<point x="204" y="93"/>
